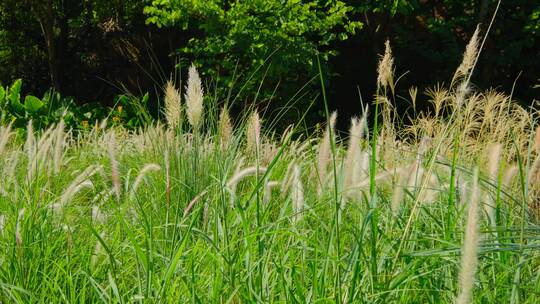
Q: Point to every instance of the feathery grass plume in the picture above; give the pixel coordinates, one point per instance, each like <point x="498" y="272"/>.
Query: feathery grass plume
<point x="494" y="159"/>
<point x="18" y="234"/>
<point x="269" y="152"/>
<point x="146" y="169"/>
<point x="534" y="171"/>
<point x="287" y="179"/>
<point x="399" y="191"/>
<point x="413" y="92"/>
<point x="2" y="223"/>
<point x="73" y="189"/>
<point x="325" y="150"/>
<point x="385" y="69"/>
<point x="30" y="144"/>
<point x="268" y="186"/>
<point x="5" y="134"/>
<point x="59" y="146"/>
<point x="193" y="202"/>
<point x="97" y="216"/>
<point x="225" y="129"/>
<point x="297" y="195"/>
<point x="438" y="96"/>
<point x="115" y="173"/>
<point x="80" y="182"/>
<point x="253" y="133"/>
<point x="30" y="148"/>
<point x="98" y="251"/>
<point x="39" y="162"/>
<point x="469" y="57"/>
<point x="353" y="157"/>
<point x="537" y="140"/>
<point x="416" y="169"/>
<point x="469" y="256"/>
<point x="173" y="106"/>
<point x="194" y="98"/>
<point x="509" y="175"/>
<point x="233" y="181"/>
<point x="10" y="171"/>
<point x="430" y="193"/>
<point x="69" y="237"/>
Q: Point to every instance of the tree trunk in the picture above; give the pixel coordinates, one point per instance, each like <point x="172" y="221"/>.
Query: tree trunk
<point x="45" y="15"/>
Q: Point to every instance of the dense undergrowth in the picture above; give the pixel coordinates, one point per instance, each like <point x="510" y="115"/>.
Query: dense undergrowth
<point x="203" y="210"/>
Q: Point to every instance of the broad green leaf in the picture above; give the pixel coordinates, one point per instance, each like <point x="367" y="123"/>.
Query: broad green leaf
<point x="2" y="95"/>
<point x="15" y="96"/>
<point x="32" y="104"/>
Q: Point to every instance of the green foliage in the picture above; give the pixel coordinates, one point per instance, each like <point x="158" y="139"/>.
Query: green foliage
<point x="237" y="38"/>
<point x="130" y="111"/>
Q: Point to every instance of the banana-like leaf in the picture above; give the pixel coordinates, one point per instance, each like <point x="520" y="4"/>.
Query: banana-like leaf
<point x="32" y="104"/>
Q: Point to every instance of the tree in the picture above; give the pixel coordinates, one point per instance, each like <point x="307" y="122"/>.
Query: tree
<point x="234" y="38"/>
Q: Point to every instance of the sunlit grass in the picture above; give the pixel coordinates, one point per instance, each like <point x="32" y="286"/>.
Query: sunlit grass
<point x="210" y="213"/>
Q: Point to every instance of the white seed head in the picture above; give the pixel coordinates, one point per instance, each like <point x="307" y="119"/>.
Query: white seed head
<point x="385" y="69"/>
<point x="325" y="149"/>
<point x="225" y="129"/>
<point x="297" y="195"/>
<point x="469" y="57"/>
<point x="469" y="258"/>
<point x="173" y="106"/>
<point x="115" y="173"/>
<point x="253" y="133"/>
<point x="194" y="98"/>
<point x="145" y="170"/>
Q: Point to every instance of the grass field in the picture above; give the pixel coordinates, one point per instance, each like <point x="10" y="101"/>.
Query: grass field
<point x="443" y="209"/>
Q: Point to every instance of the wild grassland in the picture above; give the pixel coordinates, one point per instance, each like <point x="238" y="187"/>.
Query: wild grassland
<point x="203" y="210"/>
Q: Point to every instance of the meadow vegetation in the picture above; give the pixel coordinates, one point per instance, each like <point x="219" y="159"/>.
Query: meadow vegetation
<point x="208" y="208"/>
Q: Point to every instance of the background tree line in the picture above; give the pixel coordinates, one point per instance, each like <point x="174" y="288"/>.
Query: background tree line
<point x="261" y="51"/>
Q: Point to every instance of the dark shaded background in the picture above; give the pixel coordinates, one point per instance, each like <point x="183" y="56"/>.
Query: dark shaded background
<point x="105" y="48"/>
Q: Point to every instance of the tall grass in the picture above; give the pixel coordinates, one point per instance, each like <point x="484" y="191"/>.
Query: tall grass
<point x="441" y="210"/>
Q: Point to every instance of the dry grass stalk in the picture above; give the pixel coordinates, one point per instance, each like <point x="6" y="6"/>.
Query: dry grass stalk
<point x="469" y="258"/>
<point x="194" y="98"/>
